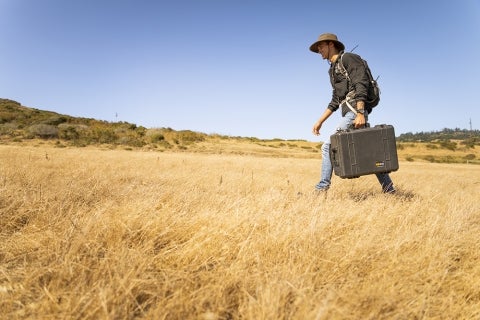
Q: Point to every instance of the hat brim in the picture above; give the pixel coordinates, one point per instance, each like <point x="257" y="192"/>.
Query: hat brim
<point x="314" y="47"/>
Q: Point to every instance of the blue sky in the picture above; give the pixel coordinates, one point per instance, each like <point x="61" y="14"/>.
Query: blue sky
<point x="239" y="68"/>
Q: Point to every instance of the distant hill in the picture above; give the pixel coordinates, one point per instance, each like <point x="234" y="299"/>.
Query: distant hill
<point x="20" y="123"/>
<point x="29" y="126"/>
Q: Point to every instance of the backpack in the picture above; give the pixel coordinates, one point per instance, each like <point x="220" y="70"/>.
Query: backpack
<point x="373" y="90"/>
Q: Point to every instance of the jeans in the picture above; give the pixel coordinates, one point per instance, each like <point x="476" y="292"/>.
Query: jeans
<point x="327" y="168"/>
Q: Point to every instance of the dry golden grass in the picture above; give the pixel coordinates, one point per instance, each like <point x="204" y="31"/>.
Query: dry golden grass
<point x="424" y="151"/>
<point x="112" y="234"/>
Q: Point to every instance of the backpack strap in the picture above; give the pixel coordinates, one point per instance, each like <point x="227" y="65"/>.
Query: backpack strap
<point x="345" y="73"/>
<point x="349" y="105"/>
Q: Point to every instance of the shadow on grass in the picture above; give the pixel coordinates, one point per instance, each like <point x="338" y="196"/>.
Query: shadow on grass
<point x="402" y="195"/>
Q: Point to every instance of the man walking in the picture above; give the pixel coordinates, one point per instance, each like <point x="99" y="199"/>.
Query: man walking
<point x="350" y="82"/>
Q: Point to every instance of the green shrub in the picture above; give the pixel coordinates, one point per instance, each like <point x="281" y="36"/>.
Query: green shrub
<point x="165" y="144"/>
<point x="448" y="159"/>
<point x="141" y="131"/>
<point x="429" y="158"/>
<point x="449" y="145"/>
<point x="68" y="131"/>
<point x="471" y="142"/>
<point x="55" y="120"/>
<point x="188" y="136"/>
<point x="131" y="141"/>
<point x="156" y="137"/>
<point x="469" y="156"/>
<point x="103" y="135"/>
<point x="6" y="117"/>
<point x="7" y="128"/>
<point x="44" y="131"/>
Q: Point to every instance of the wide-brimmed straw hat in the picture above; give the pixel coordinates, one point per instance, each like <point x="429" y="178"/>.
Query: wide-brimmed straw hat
<point x="327" y="37"/>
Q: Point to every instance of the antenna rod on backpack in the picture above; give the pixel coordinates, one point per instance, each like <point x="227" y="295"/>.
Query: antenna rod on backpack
<point x="354" y="48"/>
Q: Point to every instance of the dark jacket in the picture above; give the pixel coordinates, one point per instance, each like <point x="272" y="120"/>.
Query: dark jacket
<point x="358" y="86"/>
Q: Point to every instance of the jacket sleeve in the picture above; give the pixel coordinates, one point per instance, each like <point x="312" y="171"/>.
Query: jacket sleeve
<point x="335" y="102"/>
<point x="358" y="76"/>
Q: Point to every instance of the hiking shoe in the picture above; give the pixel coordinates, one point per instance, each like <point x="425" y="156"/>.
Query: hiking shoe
<point x="320" y="191"/>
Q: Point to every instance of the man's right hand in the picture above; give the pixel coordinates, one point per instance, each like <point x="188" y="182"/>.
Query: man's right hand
<point x="316" y="128"/>
<point x="318" y="124"/>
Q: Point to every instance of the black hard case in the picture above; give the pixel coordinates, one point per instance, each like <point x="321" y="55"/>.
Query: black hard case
<point x="364" y="151"/>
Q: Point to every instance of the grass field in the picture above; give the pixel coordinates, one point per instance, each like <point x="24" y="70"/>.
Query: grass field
<point x="113" y="234"/>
